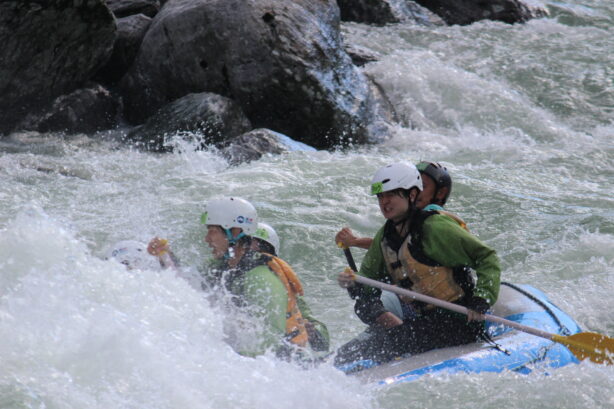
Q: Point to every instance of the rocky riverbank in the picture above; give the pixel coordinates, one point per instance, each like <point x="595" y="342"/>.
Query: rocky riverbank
<point x="215" y="68"/>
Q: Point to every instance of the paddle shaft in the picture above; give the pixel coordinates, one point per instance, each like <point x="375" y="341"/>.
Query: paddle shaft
<point x="350" y="258"/>
<point x="451" y="306"/>
<point x="584" y="345"/>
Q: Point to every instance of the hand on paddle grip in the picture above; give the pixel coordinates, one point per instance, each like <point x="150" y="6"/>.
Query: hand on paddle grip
<point x="346" y="278"/>
<point x="158" y="247"/>
<point x="476" y="307"/>
<point x="345" y="238"/>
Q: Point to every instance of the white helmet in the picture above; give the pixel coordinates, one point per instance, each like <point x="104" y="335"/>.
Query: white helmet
<point x="268" y="234"/>
<point x="399" y="175"/>
<point x="133" y="255"/>
<point x="231" y="212"/>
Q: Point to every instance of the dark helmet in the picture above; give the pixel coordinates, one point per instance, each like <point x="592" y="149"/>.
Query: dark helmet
<point x="439" y="174"/>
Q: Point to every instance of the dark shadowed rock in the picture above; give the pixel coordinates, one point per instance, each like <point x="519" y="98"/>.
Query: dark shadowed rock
<point x="130" y="33"/>
<point x="361" y="55"/>
<point x="49" y="48"/>
<point x="252" y="146"/>
<point x="282" y="61"/>
<point x="124" y="8"/>
<point x="213" y="117"/>
<point x="85" y="110"/>
<point x="380" y="12"/>
<point x="469" y="11"/>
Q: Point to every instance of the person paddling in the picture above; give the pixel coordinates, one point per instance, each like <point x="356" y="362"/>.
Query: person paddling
<point x="266" y="240"/>
<point x="257" y="283"/>
<point x="427" y="252"/>
<point x="436" y="188"/>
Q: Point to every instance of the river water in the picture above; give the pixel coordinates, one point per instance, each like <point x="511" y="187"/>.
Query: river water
<point x="521" y="115"/>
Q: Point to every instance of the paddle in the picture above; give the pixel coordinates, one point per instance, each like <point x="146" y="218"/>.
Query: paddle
<point x="348" y="256"/>
<point x="585" y="345"/>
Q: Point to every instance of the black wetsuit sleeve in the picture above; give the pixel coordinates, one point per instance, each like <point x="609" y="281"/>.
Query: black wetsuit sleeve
<point x="368" y="305"/>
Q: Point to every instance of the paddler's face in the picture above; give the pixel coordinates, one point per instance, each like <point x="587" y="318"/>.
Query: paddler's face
<point x="217" y="241"/>
<point x="428" y="191"/>
<point x="393" y="204"/>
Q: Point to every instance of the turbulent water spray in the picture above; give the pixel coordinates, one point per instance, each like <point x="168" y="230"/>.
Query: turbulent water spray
<point x="520" y="115"/>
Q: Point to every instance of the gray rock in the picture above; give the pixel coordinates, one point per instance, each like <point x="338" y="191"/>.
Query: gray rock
<point x="252" y="146"/>
<point x="383" y="115"/>
<point x="125" y="8"/>
<point x="381" y="12"/>
<point x="465" y="12"/>
<point x="47" y="49"/>
<point x="85" y="110"/>
<point x="282" y="61"/>
<point x="361" y="55"/>
<point x="209" y="117"/>
<point x="130" y="33"/>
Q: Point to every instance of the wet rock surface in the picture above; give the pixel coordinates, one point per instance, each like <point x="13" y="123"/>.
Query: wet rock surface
<point x="47" y="49"/>
<point x="209" y="69"/>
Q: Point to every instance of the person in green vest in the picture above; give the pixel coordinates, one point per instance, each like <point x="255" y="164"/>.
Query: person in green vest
<point x="261" y="291"/>
<point x="255" y="283"/>
<point x="266" y="240"/>
<point x="427" y="252"/>
<point x="436" y="188"/>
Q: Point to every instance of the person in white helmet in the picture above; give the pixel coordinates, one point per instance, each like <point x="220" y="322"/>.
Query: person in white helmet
<point x="426" y="252"/>
<point x="133" y="254"/>
<point x="436" y="188"/>
<point x="256" y="282"/>
<point x="266" y="240"/>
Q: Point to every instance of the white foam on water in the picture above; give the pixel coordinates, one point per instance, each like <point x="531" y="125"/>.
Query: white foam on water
<point x="78" y="331"/>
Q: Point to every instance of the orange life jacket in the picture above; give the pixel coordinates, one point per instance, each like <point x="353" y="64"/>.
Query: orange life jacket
<point x="295" y="324"/>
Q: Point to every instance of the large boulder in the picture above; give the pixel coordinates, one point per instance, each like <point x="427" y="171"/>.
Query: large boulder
<point x="130" y="33"/>
<point x="465" y="12"/>
<point x="49" y="48"/>
<point x="210" y="118"/>
<point x="380" y="12"/>
<point x="125" y="8"/>
<point x="252" y="146"/>
<point x="282" y="61"/>
<point x="86" y="110"/>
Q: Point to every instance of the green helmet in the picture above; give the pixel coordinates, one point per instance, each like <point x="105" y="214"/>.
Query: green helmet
<point x="439" y="174"/>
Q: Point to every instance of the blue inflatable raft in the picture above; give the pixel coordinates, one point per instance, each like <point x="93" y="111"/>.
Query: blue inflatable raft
<point x="512" y="350"/>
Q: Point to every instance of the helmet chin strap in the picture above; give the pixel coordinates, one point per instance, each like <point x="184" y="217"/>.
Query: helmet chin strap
<point x="230" y="253"/>
<point x="434" y="199"/>
<point x="411" y="209"/>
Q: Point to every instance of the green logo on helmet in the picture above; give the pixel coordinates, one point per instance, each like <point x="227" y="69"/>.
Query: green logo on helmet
<point x="262" y="233"/>
<point x="203" y="218"/>
<point x="377" y="188"/>
<point x="422" y="166"/>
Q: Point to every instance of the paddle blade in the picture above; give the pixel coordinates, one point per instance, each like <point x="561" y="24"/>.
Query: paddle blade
<point x="589" y="345"/>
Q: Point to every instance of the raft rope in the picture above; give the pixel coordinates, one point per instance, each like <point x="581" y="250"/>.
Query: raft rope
<point x="563" y="330"/>
<point x="488" y="339"/>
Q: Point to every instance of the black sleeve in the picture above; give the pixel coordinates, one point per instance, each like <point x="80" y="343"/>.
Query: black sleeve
<point x="368" y="304"/>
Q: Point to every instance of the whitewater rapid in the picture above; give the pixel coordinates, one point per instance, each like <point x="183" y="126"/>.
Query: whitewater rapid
<point x="521" y="116"/>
